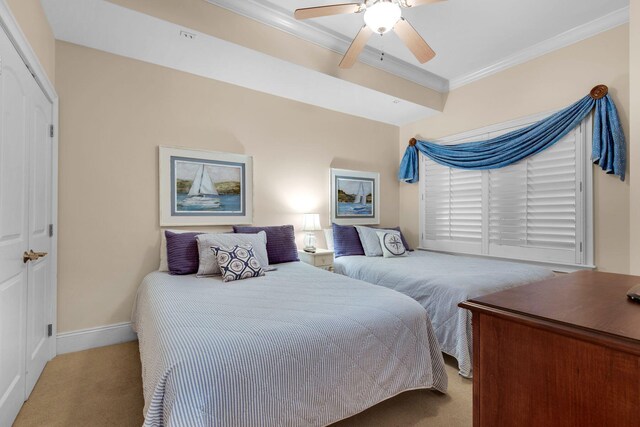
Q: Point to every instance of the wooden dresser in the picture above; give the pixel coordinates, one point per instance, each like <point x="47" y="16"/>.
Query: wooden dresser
<point x="562" y="352"/>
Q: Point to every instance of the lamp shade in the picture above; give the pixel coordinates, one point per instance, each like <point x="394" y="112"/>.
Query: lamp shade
<point x="311" y="222"/>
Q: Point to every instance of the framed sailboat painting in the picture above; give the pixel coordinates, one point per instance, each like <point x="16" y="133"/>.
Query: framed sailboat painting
<point x="205" y="188"/>
<point x="354" y="197"/>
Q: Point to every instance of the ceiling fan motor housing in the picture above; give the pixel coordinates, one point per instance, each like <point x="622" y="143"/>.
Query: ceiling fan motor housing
<point x="382" y="15"/>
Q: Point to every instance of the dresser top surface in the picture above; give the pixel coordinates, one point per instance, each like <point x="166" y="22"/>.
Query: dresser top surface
<point x="586" y="299"/>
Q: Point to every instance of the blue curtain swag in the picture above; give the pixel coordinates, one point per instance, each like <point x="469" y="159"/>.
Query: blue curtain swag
<point x="608" y="147"/>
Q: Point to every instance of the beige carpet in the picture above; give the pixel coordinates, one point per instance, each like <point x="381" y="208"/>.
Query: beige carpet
<point x="103" y="387"/>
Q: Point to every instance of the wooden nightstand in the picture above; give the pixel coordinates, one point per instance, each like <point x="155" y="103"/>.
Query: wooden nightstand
<point x="323" y="258"/>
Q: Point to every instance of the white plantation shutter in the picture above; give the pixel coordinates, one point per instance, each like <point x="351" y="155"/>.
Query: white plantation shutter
<point x="454" y="207"/>
<point x="534" y="210"/>
<point x="532" y="206"/>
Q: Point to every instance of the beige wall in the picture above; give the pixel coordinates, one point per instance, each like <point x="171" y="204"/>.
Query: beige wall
<point x="115" y="112"/>
<point x="543" y="84"/>
<point x="635" y="136"/>
<point x="34" y="24"/>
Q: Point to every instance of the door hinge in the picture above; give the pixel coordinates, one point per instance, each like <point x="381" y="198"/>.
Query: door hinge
<point x="51" y="130"/>
<point x="50" y="230"/>
<point x="49" y="330"/>
<point x="0" y="65"/>
<point x="580" y="246"/>
<point x="581" y="186"/>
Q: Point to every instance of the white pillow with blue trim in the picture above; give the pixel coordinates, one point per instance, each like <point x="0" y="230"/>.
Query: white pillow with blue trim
<point x="370" y="241"/>
<point x="391" y="244"/>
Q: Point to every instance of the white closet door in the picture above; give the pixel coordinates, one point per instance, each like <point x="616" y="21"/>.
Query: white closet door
<point x="15" y="90"/>
<point x="39" y="271"/>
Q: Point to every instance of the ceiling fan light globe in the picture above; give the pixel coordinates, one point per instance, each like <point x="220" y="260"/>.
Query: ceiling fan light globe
<point x="382" y="16"/>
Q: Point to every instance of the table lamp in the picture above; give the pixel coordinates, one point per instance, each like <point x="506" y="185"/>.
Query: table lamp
<point x="310" y="224"/>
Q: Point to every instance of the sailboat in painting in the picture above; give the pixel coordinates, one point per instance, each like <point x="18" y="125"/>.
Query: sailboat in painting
<point x="360" y="199"/>
<point x="203" y="191"/>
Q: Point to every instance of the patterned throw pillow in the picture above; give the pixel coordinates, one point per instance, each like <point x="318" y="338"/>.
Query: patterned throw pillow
<point x="237" y="263"/>
<point x="371" y="242"/>
<point x="208" y="262"/>
<point x="391" y="244"/>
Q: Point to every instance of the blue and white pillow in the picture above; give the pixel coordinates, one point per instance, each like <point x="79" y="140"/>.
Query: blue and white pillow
<point x="238" y="262"/>
<point x="391" y="244"/>
<point x="208" y="263"/>
<point x="371" y="242"/>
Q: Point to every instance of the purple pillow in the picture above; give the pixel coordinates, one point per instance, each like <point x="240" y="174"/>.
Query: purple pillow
<point x="346" y="241"/>
<point x="182" y="253"/>
<point x="281" y="242"/>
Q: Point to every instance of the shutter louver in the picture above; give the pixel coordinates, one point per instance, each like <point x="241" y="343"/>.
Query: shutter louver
<point x="552" y="197"/>
<point x="532" y="205"/>
<point x="453" y="204"/>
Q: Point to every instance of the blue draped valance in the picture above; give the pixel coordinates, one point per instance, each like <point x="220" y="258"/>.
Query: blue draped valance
<point x="608" y="151"/>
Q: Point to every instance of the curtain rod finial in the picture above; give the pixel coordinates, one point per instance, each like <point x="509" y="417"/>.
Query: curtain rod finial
<point x="412" y="142"/>
<point x="599" y="91"/>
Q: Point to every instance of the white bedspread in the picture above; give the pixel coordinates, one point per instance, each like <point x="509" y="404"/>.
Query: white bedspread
<point x="439" y="282"/>
<point x="300" y="346"/>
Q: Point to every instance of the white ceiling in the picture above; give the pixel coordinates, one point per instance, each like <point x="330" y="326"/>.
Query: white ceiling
<point x="470" y="35"/>
<point x="102" y="25"/>
<point x="472" y="39"/>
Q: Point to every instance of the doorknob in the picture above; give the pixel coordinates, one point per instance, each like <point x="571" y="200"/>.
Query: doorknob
<point x="40" y="254"/>
<point x="32" y="256"/>
<point x="29" y="256"/>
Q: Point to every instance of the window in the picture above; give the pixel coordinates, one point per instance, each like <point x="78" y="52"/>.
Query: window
<point x="536" y="210"/>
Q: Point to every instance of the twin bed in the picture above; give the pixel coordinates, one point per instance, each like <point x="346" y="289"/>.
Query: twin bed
<point x="299" y="346"/>
<point x="439" y="282"/>
<point x="303" y="346"/>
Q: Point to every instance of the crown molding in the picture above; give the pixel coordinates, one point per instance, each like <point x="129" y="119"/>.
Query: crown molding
<point x="281" y="19"/>
<point x="574" y="35"/>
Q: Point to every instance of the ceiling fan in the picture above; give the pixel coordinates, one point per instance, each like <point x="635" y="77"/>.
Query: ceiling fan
<point x="380" y="16"/>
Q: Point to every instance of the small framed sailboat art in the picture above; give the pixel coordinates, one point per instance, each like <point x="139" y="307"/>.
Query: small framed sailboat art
<point x="205" y="187"/>
<point x="354" y="197"/>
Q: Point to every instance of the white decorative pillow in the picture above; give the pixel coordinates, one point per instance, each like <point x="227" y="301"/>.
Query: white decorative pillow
<point x="237" y="263"/>
<point x="391" y="244"/>
<point x="328" y="235"/>
<point x="370" y="241"/>
<point x="208" y="260"/>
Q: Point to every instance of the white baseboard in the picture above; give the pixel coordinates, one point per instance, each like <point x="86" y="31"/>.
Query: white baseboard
<point x="84" y="339"/>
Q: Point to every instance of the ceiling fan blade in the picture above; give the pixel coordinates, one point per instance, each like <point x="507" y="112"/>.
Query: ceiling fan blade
<point x="416" y="44"/>
<point x="413" y="3"/>
<point x="334" y="9"/>
<point x="356" y="47"/>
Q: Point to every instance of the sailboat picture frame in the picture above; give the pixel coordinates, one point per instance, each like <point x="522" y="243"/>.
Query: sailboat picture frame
<point x="200" y="187"/>
<point x="355" y="197"/>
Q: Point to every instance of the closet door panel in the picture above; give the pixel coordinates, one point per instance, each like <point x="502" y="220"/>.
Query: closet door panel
<point x="14" y="118"/>
<point x="39" y="283"/>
